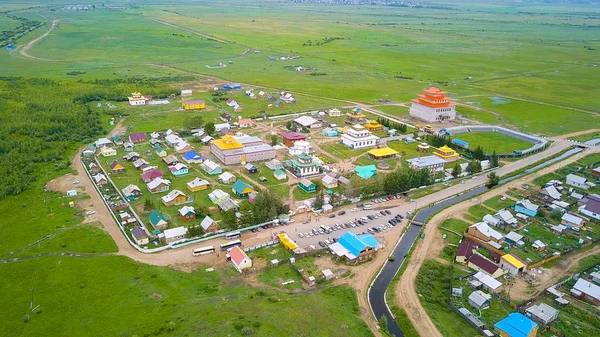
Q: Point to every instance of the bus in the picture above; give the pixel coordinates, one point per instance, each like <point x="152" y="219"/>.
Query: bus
<point x="230" y="244"/>
<point x="233" y="235"/>
<point x="203" y="250"/>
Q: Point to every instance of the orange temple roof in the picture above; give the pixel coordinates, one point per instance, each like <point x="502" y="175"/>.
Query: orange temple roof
<point x="434" y="98"/>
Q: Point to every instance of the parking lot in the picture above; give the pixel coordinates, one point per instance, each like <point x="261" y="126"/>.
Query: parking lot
<point x="323" y="228"/>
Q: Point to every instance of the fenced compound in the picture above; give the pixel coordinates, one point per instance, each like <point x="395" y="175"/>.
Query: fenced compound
<point x="539" y="143"/>
<point x="262" y="245"/>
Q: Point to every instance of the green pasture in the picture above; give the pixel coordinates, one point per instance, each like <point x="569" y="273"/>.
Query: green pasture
<point x="78" y="296"/>
<point x="493" y="141"/>
<point x="380" y="52"/>
<point x="585" y="138"/>
<point x="539" y="118"/>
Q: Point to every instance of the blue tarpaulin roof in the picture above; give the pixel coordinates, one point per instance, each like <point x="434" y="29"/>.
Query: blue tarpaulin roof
<point x="516" y="325"/>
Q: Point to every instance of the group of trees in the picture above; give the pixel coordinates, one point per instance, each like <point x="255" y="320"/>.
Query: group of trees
<point x="400" y="180"/>
<point x="402" y="128"/>
<point x="41" y="120"/>
<point x="9" y="36"/>
<point x="267" y="206"/>
<point x="39" y="123"/>
<point x="117" y="90"/>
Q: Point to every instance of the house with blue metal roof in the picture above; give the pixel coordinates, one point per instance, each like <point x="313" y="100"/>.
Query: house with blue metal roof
<point x="191" y="157"/>
<point x="526" y="207"/>
<point x="355" y="247"/>
<point x="516" y="325"/>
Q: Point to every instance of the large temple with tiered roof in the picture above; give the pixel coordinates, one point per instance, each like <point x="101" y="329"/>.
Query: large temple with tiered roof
<point x="433" y="106"/>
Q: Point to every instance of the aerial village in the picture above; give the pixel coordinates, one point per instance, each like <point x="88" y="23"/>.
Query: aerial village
<point x="170" y="187"/>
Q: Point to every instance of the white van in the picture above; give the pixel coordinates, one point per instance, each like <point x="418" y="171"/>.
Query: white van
<point x="367" y="206"/>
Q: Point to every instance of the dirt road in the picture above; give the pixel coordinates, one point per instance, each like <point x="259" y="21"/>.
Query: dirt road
<point x="191" y="31"/>
<point x="25" y="49"/>
<point x="431" y="246"/>
<point x="578" y="133"/>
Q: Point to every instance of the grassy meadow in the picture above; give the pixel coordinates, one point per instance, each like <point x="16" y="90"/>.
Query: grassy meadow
<point x="353" y="53"/>
<point x="143" y="300"/>
<point x="493" y="141"/>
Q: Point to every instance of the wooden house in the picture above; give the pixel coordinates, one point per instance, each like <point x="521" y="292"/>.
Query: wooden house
<point x="187" y="213"/>
<point x="116" y="167"/>
<point x="174" y="198"/>
<point x="158" y="185"/>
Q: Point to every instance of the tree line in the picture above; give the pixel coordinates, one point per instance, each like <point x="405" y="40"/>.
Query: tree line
<point x="40" y="121"/>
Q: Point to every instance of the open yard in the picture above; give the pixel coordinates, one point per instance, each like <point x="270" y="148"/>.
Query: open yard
<point x="341" y="151"/>
<point x="493" y="141"/>
<point x="498" y="203"/>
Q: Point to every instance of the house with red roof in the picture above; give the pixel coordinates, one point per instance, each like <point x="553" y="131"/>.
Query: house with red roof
<point x="480" y="263"/>
<point x="239" y="259"/>
<point x="137" y="137"/>
<point x="150" y="175"/>
<point x="464" y="251"/>
<point x="291" y="137"/>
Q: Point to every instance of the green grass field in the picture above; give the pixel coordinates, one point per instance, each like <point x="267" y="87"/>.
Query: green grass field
<point x="493" y="141"/>
<point x="383" y="53"/>
<point x="341" y="151"/>
<point x="139" y="299"/>
<point x="497" y="203"/>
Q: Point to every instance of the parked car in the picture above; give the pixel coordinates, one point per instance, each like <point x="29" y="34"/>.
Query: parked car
<point x="300" y="235"/>
<point x="331" y="216"/>
<point x="387" y="211"/>
<point x="322" y="244"/>
<point x="342" y="213"/>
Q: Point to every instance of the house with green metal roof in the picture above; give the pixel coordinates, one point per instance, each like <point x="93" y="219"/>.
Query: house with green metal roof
<point x="160" y="152"/>
<point x="241" y="189"/>
<point x="307" y="186"/>
<point x="158" y="220"/>
<point x="366" y="172"/>
<point x="90" y="150"/>
<point x="280" y="174"/>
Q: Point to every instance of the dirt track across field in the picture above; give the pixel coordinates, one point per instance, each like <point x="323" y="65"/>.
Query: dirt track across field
<point x="191" y="31"/>
<point x="431" y="246"/>
<point x="25" y="49"/>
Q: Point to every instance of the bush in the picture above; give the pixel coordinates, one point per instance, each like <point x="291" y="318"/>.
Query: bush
<point x="248" y="331"/>
<point x="391" y="258"/>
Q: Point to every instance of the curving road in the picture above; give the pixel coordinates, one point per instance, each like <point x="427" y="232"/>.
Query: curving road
<point x="378" y="288"/>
